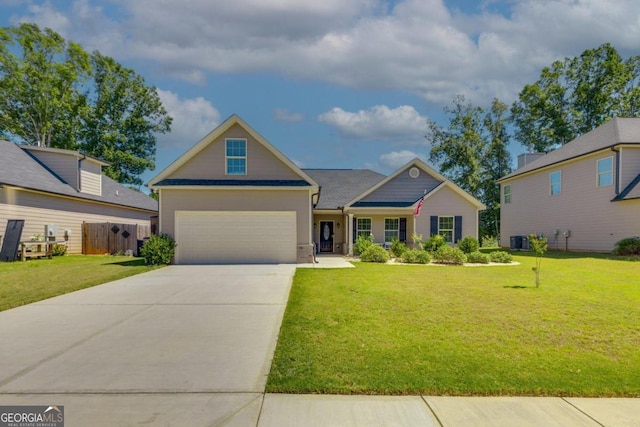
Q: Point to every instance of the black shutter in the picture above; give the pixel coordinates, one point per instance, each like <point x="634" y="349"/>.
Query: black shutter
<point x="355" y="230"/>
<point x="457" y="229"/>
<point x="403" y="230"/>
<point x="434" y="225"/>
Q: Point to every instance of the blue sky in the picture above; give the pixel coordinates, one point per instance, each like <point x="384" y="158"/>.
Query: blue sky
<point x="332" y="83"/>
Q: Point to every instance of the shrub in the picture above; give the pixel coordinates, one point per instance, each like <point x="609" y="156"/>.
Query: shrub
<point x="468" y="245"/>
<point x="416" y="256"/>
<point x="489" y="242"/>
<point x="59" y="250"/>
<point x="501" y="257"/>
<point x="159" y="249"/>
<point x="448" y="255"/>
<point x="374" y="253"/>
<point x="397" y="247"/>
<point x="434" y="243"/>
<point x="478" y="258"/>
<point x="628" y="246"/>
<point x="363" y="242"/>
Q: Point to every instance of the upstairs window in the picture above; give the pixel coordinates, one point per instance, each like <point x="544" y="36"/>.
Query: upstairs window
<point x="555" y="183"/>
<point x="605" y="172"/>
<point x="507" y="194"/>
<point x="236" y="157"/>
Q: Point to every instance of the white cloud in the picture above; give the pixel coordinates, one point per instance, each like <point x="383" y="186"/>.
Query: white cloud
<point x="401" y="124"/>
<point x="395" y="159"/>
<point x="419" y="46"/>
<point x="193" y="118"/>
<point x="285" y="115"/>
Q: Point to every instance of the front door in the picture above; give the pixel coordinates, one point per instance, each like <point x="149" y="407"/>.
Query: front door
<point x="326" y="236"/>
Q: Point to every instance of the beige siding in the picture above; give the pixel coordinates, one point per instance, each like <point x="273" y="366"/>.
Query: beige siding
<point x="90" y="177"/>
<point x="210" y="162"/>
<point x="237" y="200"/>
<point x="39" y="210"/>
<point x="586" y="210"/>
<point x="446" y="202"/>
<point x="64" y="165"/>
<point x="629" y="165"/>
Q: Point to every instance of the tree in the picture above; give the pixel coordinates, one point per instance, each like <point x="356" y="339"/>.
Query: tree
<point x="54" y="94"/>
<point x="122" y="124"/>
<point x="40" y="102"/>
<point x="539" y="246"/>
<point x="472" y="152"/>
<point x="576" y="95"/>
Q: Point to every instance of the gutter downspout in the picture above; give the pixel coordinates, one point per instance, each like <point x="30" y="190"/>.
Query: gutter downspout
<point x="617" y="185"/>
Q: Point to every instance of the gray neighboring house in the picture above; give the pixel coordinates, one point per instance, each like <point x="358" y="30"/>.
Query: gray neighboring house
<point x="65" y="188"/>
<point x="584" y="196"/>
<point x="234" y="198"/>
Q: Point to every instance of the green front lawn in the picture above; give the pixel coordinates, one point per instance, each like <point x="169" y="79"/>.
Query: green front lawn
<point x="34" y="280"/>
<point x="394" y="329"/>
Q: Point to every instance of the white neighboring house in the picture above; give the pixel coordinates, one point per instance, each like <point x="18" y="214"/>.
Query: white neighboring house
<point x="584" y="196"/>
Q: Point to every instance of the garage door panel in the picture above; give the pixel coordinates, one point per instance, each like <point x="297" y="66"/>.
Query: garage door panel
<point x="235" y="237"/>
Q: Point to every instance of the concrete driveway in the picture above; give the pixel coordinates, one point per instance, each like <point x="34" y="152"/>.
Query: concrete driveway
<point x="183" y="345"/>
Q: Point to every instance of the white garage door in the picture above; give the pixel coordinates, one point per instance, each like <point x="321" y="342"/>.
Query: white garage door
<point x="235" y="237"/>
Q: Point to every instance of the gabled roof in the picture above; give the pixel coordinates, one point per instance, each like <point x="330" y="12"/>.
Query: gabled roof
<point x="215" y="134"/>
<point x="20" y="169"/>
<point x="339" y="186"/>
<point x="615" y="132"/>
<point x="356" y="201"/>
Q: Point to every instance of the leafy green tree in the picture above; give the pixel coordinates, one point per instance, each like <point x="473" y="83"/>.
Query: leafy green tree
<point x="40" y="98"/>
<point x="539" y="246"/>
<point x="54" y="94"/>
<point x="472" y="152"/>
<point x="122" y="124"/>
<point x="576" y="95"/>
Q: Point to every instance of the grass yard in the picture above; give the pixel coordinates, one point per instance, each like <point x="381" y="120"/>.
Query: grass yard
<point x="34" y="280"/>
<point x="394" y="329"/>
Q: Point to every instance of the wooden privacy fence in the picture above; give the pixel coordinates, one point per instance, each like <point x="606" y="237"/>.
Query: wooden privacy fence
<point x="112" y="238"/>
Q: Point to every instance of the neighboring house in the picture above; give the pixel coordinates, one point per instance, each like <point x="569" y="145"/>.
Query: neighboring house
<point x="47" y="186"/>
<point x="233" y="197"/>
<point x="582" y="196"/>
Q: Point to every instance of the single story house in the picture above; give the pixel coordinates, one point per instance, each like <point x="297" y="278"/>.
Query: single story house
<point x="234" y="198"/>
<point x="584" y="196"/>
<point x="64" y="188"/>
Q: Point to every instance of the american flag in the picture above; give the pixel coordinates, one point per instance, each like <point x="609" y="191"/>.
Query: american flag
<point x="416" y="211"/>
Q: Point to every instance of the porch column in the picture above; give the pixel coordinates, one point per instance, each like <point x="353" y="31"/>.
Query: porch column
<point x="349" y="229"/>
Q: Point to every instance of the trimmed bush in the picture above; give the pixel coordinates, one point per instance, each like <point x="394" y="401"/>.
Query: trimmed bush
<point x="478" y="258"/>
<point x="397" y="247"/>
<point x="468" y="245"/>
<point x="362" y="243"/>
<point x="158" y="250"/>
<point x="434" y="243"/>
<point x="59" y="250"/>
<point x="448" y="255"/>
<point x="374" y="253"/>
<point x="501" y="257"/>
<point x="416" y="256"/>
<point x="627" y="246"/>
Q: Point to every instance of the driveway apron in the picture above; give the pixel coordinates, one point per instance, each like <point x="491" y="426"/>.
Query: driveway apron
<point x="183" y="345"/>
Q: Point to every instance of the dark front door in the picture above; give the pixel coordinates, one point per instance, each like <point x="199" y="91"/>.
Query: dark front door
<point x="326" y="236"/>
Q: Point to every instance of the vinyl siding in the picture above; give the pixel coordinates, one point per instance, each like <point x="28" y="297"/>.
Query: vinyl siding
<point x="403" y="188"/>
<point x="241" y="200"/>
<point x="446" y="202"/>
<point x="90" y="177"/>
<point x="210" y="162"/>
<point x="629" y="165"/>
<point x="39" y="210"/>
<point x="63" y="165"/>
<point x="585" y="209"/>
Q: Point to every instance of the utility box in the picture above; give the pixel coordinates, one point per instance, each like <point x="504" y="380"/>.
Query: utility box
<point x="50" y="232"/>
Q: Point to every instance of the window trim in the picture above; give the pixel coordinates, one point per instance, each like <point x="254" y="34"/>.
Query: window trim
<point x="552" y="184"/>
<point x="452" y="229"/>
<point x="360" y="231"/>
<point x="607" y="172"/>
<point x="507" y="194"/>
<point x="397" y="230"/>
<point x="227" y="157"/>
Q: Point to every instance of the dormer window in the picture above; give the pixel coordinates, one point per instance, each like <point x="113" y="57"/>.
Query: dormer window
<point x="236" y="156"/>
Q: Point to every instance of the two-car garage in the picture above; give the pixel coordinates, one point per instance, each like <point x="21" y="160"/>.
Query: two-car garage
<point x="222" y="237"/>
